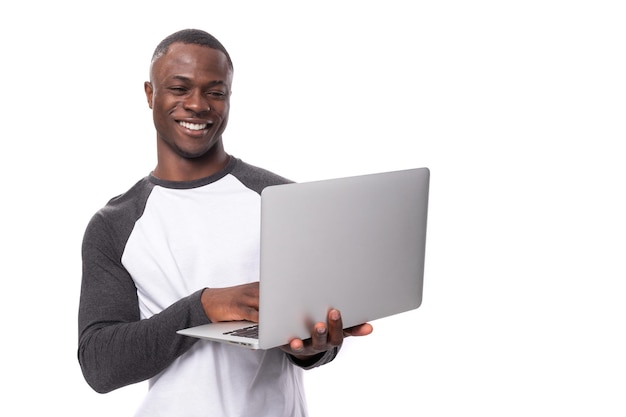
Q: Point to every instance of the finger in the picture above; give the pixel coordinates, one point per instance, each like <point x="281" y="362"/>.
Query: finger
<point x="251" y="294"/>
<point x="360" y="330"/>
<point x="319" y="337"/>
<point x="248" y="303"/>
<point x="252" y="314"/>
<point x="335" y="327"/>
<point x="296" y="345"/>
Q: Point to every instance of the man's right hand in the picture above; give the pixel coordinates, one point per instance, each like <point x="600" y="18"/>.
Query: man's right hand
<point x="240" y="302"/>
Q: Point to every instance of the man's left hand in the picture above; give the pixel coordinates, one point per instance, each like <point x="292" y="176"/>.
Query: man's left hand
<point x="325" y="336"/>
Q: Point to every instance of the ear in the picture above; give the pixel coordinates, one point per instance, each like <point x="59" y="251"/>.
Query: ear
<point x="149" y="92"/>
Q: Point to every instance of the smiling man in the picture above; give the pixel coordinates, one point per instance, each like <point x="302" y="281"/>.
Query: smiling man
<point x="189" y="93"/>
<point x="181" y="249"/>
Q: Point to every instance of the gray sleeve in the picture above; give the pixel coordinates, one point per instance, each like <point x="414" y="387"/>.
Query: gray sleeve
<point x="115" y="347"/>
<point x="256" y="178"/>
<point x="318" y="360"/>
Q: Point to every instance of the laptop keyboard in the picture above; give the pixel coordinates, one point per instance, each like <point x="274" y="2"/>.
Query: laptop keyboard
<point x="250" y="331"/>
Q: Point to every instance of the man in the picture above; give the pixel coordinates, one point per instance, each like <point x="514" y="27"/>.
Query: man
<point x="180" y="249"/>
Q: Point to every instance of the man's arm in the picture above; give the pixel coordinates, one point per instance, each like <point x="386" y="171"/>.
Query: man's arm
<point x="115" y="347"/>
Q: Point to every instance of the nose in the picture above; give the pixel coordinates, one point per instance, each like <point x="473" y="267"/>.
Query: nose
<point x="197" y="103"/>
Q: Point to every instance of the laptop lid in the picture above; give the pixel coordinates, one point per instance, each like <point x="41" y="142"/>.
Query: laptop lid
<point x="355" y="243"/>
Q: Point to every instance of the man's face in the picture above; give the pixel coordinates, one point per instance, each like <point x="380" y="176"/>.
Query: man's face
<point x="189" y="94"/>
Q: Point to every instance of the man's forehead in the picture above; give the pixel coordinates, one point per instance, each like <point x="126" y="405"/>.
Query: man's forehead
<point x="183" y="57"/>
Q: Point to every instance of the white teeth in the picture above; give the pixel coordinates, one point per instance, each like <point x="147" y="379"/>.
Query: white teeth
<point x="193" y="126"/>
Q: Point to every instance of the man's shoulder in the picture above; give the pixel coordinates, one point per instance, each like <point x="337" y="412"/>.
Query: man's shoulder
<point x="255" y="177"/>
<point x="129" y="204"/>
<point x="115" y="220"/>
<point x="137" y="193"/>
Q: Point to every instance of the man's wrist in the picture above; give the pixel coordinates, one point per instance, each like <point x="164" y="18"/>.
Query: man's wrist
<point x="306" y="361"/>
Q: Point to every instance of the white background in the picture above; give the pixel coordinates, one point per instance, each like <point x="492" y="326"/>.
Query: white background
<point x="517" y="107"/>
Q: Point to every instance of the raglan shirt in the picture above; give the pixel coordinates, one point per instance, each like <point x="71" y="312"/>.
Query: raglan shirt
<point x="147" y="256"/>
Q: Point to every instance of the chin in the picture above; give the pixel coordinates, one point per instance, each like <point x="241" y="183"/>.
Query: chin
<point x="191" y="153"/>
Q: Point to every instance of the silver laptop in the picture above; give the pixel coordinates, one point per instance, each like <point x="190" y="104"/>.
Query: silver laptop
<point x="356" y="244"/>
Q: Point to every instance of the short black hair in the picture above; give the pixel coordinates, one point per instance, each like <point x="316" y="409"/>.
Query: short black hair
<point x="190" y="36"/>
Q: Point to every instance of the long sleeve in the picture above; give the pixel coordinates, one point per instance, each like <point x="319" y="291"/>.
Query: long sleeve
<point x="116" y="348"/>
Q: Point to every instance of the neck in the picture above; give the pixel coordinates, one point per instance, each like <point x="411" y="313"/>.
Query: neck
<point x="179" y="168"/>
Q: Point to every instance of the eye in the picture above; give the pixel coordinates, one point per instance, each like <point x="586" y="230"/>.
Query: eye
<point x="178" y="90"/>
<point x="217" y="94"/>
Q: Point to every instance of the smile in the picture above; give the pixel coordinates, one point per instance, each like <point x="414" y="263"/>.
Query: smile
<point x="193" y="126"/>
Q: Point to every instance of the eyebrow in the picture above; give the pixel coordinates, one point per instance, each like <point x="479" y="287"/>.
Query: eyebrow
<point x="187" y="79"/>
